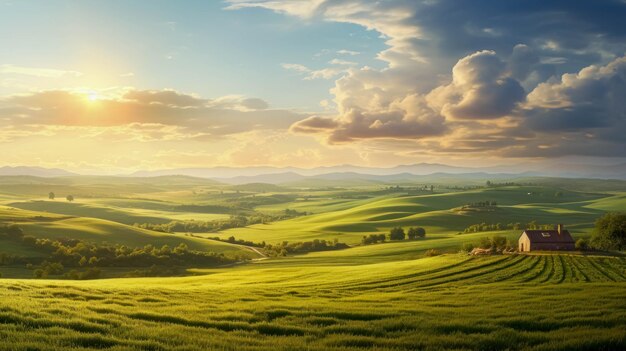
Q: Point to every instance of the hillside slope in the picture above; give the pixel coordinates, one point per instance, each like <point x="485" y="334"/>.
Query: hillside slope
<point x="445" y="302"/>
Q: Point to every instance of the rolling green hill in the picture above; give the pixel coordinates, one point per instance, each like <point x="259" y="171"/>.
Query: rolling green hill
<point x="438" y="213"/>
<point x="445" y="302"/>
<point x="54" y="226"/>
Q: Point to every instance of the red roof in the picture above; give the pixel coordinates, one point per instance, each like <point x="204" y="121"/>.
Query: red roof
<point x="549" y="236"/>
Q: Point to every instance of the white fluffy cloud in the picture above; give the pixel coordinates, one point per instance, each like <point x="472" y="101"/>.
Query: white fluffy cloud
<point x="480" y="89"/>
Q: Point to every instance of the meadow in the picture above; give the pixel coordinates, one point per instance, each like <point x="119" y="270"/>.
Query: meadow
<point x="387" y="296"/>
<point x="519" y="302"/>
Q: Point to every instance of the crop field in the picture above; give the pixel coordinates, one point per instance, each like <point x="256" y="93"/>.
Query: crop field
<point x="386" y="296"/>
<point x="543" y="302"/>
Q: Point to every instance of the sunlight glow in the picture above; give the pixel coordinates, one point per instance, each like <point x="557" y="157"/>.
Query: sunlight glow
<point x="93" y="96"/>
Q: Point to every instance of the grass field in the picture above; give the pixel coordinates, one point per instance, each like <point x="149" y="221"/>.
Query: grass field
<point x="388" y="296"/>
<point x="350" y="220"/>
<point x="55" y="226"/>
<point x="547" y="302"/>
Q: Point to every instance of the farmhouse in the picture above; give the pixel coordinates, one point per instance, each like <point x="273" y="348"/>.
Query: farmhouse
<point x="556" y="239"/>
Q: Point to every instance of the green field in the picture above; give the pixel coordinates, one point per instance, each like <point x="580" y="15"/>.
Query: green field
<point x="54" y="226"/>
<point x="350" y="220"/>
<point x="548" y="302"/>
<point x="388" y="296"/>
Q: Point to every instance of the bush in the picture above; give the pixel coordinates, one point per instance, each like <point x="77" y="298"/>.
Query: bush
<point x="91" y="273"/>
<point x="468" y="247"/>
<point x="496" y="243"/>
<point x="39" y="273"/>
<point x="582" y="244"/>
<point x="433" y="252"/>
<point x="373" y="239"/>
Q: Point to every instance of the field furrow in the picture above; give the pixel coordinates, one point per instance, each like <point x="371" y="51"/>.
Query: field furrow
<point x="580" y="271"/>
<point x="607" y="276"/>
<point x="550" y="272"/>
<point x="539" y="270"/>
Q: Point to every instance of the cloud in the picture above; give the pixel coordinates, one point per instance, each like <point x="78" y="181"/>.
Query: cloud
<point x="168" y="111"/>
<point x="168" y="98"/>
<point x="584" y="101"/>
<point x="295" y="67"/>
<point x="37" y="72"/>
<point x="348" y="52"/>
<point x="311" y="74"/>
<point x="477" y="77"/>
<point x="480" y="89"/>
<point x="408" y="118"/>
<point x="342" y="62"/>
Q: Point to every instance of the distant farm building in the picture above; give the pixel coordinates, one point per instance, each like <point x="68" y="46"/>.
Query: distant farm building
<point x="556" y="239"/>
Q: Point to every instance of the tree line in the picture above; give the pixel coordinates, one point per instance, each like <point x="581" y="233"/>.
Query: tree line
<point x="484" y="227"/>
<point x="285" y="248"/>
<point x="395" y="234"/>
<point x="235" y="221"/>
<point x="62" y="253"/>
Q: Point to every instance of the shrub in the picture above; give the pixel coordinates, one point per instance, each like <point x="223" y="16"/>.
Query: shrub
<point x="468" y="247"/>
<point x="433" y="252"/>
<point x="373" y="239"/>
<point x="582" y="244"/>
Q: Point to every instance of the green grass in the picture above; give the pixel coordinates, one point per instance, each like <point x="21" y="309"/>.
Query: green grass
<point x="125" y="215"/>
<point x="522" y="302"/>
<point x="348" y="221"/>
<point x="379" y="297"/>
<point x="54" y="226"/>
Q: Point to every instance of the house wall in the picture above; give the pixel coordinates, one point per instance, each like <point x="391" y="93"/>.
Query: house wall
<point x="553" y="247"/>
<point x="523" y="244"/>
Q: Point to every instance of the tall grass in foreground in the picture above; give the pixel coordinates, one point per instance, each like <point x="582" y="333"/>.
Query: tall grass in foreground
<point x="452" y="302"/>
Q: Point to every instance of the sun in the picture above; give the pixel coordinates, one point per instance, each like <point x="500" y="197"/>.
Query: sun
<point x="93" y="96"/>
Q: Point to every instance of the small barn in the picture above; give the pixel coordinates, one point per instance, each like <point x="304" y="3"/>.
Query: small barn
<point x="550" y="240"/>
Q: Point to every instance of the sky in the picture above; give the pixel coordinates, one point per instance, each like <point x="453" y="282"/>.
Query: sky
<point x="119" y="86"/>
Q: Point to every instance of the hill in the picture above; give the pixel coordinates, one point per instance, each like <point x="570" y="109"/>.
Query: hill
<point x="55" y="226"/>
<point x="436" y="212"/>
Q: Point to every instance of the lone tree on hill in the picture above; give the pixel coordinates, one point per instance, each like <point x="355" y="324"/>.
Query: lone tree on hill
<point x="397" y="234"/>
<point x="51" y="195"/>
<point x="70" y="198"/>
<point x="610" y="232"/>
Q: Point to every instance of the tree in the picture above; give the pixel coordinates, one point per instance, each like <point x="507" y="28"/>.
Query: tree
<point x="610" y="232"/>
<point x="415" y="233"/>
<point x="488" y="183"/>
<point x="397" y="234"/>
<point x="70" y="198"/>
<point x="51" y="195"/>
<point x="421" y="232"/>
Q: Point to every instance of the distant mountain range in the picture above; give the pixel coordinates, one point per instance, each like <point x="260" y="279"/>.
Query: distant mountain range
<point x="277" y="175"/>
<point x="35" y="171"/>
